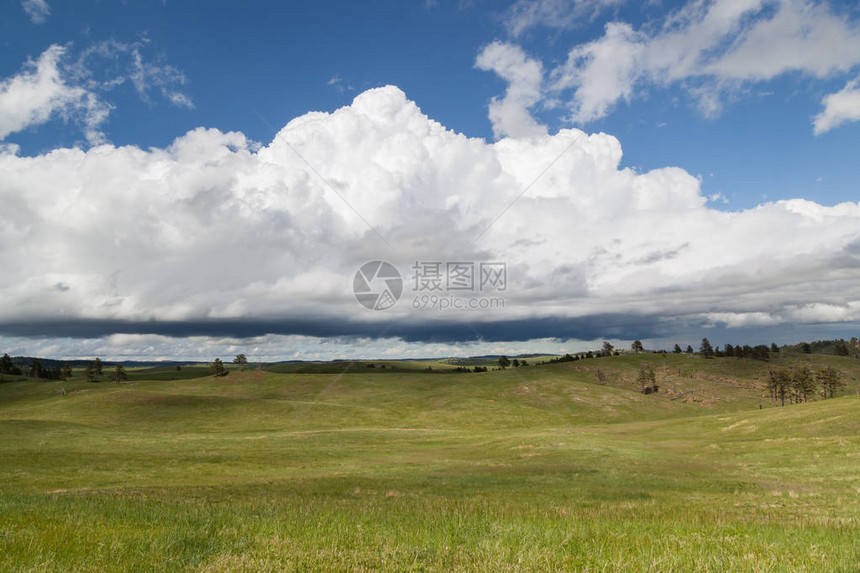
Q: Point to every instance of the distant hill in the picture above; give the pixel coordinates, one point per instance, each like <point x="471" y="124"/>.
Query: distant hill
<point x="26" y="361"/>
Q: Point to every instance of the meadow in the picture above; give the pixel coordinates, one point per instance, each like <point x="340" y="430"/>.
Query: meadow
<point x="342" y="467"/>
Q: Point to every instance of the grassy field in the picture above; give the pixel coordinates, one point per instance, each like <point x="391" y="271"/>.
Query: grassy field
<point x="543" y="468"/>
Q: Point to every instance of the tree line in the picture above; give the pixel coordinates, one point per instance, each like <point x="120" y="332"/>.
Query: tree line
<point x="93" y="372"/>
<point x="801" y="384"/>
<point x="837" y="347"/>
<point x="504" y="362"/>
<point x="707" y="350"/>
<point x="34" y="370"/>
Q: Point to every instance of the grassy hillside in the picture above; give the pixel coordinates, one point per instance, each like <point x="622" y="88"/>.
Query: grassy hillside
<point x="539" y="468"/>
<point x="719" y="383"/>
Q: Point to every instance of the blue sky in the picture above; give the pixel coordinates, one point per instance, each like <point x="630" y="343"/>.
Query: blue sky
<point x="757" y="101"/>
<point x="280" y="59"/>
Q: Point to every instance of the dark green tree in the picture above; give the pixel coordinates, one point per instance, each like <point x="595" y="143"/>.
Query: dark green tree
<point x="706" y="349"/>
<point x="119" y="374"/>
<point x="515" y="363"/>
<point x="218" y="368"/>
<point x="677" y="349"/>
<point x="241" y="360"/>
<point x="830" y="382"/>
<point x="637" y="346"/>
<point x="66" y="371"/>
<point x="760" y="352"/>
<point x="98" y="367"/>
<point x="803" y="384"/>
<point x="504" y="362"/>
<point x="607" y="349"/>
<point x="647" y="379"/>
<point x="779" y="385"/>
<point x="6" y="364"/>
<point x="689" y="349"/>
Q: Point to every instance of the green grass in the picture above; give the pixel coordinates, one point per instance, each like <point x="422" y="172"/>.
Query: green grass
<point x="536" y="469"/>
<point x="163" y="372"/>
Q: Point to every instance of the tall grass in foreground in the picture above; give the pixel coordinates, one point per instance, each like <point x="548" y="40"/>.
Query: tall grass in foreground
<point x="269" y="529"/>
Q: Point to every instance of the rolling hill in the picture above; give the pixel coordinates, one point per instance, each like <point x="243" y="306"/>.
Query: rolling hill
<point x="553" y="467"/>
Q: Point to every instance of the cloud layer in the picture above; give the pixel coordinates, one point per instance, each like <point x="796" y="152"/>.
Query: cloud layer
<point x="216" y="230"/>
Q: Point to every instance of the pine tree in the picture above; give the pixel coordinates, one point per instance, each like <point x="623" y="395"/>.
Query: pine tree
<point x="830" y="382"/>
<point x="647" y="379"/>
<point x="779" y="384"/>
<point x="218" y="368"/>
<point x="803" y="384"/>
<point x="706" y="349"/>
<point x="6" y="364"/>
<point x="119" y="374"/>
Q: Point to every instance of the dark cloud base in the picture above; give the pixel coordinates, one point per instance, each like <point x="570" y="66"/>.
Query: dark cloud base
<point x="585" y="328"/>
<point x="663" y="331"/>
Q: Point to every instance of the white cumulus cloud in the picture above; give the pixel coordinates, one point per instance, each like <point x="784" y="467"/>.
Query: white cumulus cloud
<point x="211" y="228"/>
